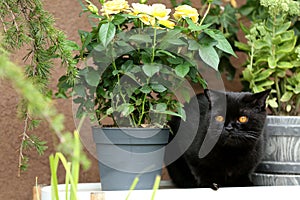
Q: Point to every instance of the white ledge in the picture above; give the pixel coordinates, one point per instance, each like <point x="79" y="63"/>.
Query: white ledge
<point x="166" y="192"/>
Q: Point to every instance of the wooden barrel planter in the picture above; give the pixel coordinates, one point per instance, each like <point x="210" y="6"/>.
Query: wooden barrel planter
<point x="281" y="161"/>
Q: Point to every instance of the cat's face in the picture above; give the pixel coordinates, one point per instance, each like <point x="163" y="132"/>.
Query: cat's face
<point x="243" y="120"/>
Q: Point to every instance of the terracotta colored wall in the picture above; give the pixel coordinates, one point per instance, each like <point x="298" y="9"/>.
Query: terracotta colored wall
<point x="67" y="18"/>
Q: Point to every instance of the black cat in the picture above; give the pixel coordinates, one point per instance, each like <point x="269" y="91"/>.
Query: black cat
<point x="228" y="142"/>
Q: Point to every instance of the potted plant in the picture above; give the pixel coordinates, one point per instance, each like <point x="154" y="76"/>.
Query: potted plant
<point x="135" y="63"/>
<point x="273" y="63"/>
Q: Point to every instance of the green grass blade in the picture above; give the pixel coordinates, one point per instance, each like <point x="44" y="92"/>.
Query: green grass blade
<point x="76" y="160"/>
<point x="133" y="185"/>
<point x="53" y="160"/>
<point x="68" y="175"/>
<point x="67" y="180"/>
<point x="155" y="186"/>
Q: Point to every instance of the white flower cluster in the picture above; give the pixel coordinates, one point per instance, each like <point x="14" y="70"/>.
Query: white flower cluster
<point x="287" y="7"/>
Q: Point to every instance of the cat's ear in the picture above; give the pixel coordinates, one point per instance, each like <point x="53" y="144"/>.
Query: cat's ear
<point x="208" y="95"/>
<point x="259" y="99"/>
<point x="214" y="96"/>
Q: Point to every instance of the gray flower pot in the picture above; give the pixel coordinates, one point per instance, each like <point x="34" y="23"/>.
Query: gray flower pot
<point x="281" y="161"/>
<point x="125" y="153"/>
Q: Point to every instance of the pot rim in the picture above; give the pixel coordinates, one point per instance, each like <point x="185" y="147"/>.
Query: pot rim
<point x="128" y="128"/>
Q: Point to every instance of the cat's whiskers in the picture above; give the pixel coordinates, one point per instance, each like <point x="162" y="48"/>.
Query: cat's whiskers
<point x="252" y="135"/>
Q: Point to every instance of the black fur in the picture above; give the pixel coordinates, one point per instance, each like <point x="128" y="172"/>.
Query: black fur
<point x="238" y="148"/>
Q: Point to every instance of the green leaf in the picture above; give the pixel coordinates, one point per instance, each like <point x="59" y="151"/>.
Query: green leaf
<point x="176" y="41"/>
<point x="126" y="109"/>
<point x="287" y="36"/>
<point x="223" y="44"/>
<point x="158" y="88"/>
<point x="115" y="72"/>
<point x="287" y="47"/>
<point x="265" y="83"/>
<point x="281" y="73"/>
<point x="209" y="55"/>
<point x="160" y="107"/>
<point x="109" y="111"/>
<point x="86" y="38"/>
<point x="182" y="70"/>
<point x="194" y="27"/>
<point x="193" y="45"/>
<point x="168" y="112"/>
<point x="286" y="97"/>
<point x="182" y="113"/>
<point x="244" y="28"/>
<point x="118" y="19"/>
<point x="242" y="46"/>
<point x="288" y="108"/>
<point x="247" y="74"/>
<point x="282" y="28"/>
<point x="175" y="61"/>
<point x="166" y="53"/>
<point x="185" y="94"/>
<point x="73" y="45"/>
<point x="107" y="33"/>
<point x="171" y="38"/>
<point x="285" y="65"/>
<point x="272" y="62"/>
<point x="79" y="89"/>
<point x="92" y="77"/>
<point x="263" y="75"/>
<point x="146" y="89"/>
<point x="259" y="44"/>
<point x="150" y="69"/>
<point x="34" y="124"/>
<point x="139" y="38"/>
<point x="138" y="102"/>
<point x="276" y="40"/>
<point x="272" y="102"/>
<point x="171" y="34"/>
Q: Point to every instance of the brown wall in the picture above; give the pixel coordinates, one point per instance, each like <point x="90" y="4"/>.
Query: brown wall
<point x="67" y="18"/>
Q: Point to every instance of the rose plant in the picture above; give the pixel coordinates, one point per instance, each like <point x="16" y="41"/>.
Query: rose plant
<point x="136" y="60"/>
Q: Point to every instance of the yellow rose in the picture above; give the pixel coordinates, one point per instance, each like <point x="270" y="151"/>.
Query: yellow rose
<point x="147" y="19"/>
<point x="93" y="8"/>
<point x="160" y="12"/>
<point x="138" y="8"/>
<point x="167" y="23"/>
<point x="143" y="11"/>
<point x="147" y="14"/>
<point x="186" y="11"/>
<point x="232" y="2"/>
<point x="114" y="7"/>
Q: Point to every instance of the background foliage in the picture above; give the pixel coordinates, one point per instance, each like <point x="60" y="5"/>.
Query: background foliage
<point x="273" y="49"/>
<point x="25" y="23"/>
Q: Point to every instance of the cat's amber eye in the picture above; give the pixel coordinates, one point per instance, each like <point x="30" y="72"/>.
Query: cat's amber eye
<point x="243" y="119"/>
<point x="219" y="118"/>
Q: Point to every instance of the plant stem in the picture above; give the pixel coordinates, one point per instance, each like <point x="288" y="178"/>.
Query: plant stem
<point x="37" y="191"/>
<point x="24" y="137"/>
<point x="143" y="111"/>
<point x="297" y="108"/>
<point x="205" y="14"/>
<point x="273" y="54"/>
<point x="154" y="45"/>
<point x="278" y="94"/>
<point x="251" y="56"/>
<point x="132" y="123"/>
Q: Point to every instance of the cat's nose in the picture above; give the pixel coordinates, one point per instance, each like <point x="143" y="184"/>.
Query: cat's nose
<point x="229" y="127"/>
